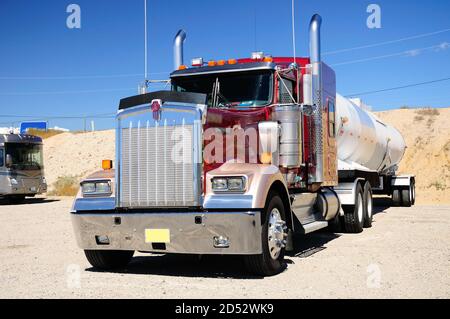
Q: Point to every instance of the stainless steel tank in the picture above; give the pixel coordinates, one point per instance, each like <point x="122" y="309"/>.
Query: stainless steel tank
<point x="363" y="139"/>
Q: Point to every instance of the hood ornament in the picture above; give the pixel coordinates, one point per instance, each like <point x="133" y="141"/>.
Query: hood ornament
<point x="156" y="109"/>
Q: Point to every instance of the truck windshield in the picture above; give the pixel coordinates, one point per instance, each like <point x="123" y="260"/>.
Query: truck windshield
<point x="250" y="89"/>
<point x="25" y="156"/>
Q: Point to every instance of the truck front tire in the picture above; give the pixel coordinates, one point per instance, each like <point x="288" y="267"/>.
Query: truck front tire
<point x="354" y="214"/>
<point x="109" y="259"/>
<point x="273" y="239"/>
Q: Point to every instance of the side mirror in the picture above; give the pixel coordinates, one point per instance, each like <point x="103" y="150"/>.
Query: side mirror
<point x="8" y="160"/>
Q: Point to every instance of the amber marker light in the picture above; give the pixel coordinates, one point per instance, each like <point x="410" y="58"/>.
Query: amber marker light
<point x="107" y="164"/>
<point x="266" y="158"/>
<point x="221" y="62"/>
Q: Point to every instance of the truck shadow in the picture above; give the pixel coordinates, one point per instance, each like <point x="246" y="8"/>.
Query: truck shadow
<point x="26" y="201"/>
<point x="307" y="245"/>
<point x="212" y="266"/>
<point x="381" y="204"/>
<point x="207" y="266"/>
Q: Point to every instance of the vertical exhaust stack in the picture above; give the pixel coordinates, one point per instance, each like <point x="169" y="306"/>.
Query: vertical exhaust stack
<point x="316" y="70"/>
<point x="178" y="49"/>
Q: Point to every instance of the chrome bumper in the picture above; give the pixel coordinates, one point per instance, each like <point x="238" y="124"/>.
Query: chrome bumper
<point x="190" y="232"/>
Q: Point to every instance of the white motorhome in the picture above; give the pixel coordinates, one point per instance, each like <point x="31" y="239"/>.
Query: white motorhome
<point x="21" y="166"/>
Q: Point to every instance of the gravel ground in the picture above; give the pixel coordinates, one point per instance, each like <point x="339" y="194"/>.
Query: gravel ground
<point x="406" y="254"/>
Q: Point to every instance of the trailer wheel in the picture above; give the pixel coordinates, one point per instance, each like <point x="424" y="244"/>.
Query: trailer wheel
<point x="109" y="259"/>
<point x="396" y="198"/>
<point x="407" y="196"/>
<point x="354" y="214"/>
<point x="413" y="191"/>
<point x="273" y="237"/>
<point x="368" y="205"/>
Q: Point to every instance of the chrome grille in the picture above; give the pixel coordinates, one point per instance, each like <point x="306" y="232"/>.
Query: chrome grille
<point x="157" y="163"/>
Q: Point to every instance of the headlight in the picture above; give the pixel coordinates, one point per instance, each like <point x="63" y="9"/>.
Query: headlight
<point x="219" y="184"/>
<point x="230" y="184"/>
<point x="13" y="181"/>
<point x="93" y="188"/>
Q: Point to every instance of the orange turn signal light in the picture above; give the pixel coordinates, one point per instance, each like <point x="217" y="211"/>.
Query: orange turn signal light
<point x="268" y="59"/>
<point x="107" y="164"/>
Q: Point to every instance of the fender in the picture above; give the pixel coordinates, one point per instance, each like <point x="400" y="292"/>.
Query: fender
<point x="260" y="179"/>
<point x="346" y="192"/>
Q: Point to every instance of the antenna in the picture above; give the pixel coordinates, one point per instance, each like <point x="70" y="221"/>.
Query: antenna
<point x="293" y="28"/>
<point x="143" y="87"/>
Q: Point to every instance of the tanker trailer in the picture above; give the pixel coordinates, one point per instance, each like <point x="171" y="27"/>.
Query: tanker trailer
<point x="369" y="149"/>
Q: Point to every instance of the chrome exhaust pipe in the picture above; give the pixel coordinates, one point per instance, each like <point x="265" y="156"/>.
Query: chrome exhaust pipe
<point x="314" y="38"/>
<point x="316" y="72"/>
<point x="178" y="49"/>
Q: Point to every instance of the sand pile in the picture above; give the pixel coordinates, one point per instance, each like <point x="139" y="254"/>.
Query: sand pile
<point x="426" y="131"/>
<point x="76" y="154"/>
<point x="427" y="135"/>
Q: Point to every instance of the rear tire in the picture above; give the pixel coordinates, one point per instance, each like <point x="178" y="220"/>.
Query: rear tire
<point x="368" y="205"/>
<point x="109" y="259"/>
<point x="407" y="197"/>
<point x="396" y="197"/>
<point x="271" y="261"/>
<point x="354" y="214"/>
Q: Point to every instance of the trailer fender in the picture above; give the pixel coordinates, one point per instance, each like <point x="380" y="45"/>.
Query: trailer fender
<point x="401" y="180"/>
<point x="346" y="193"/>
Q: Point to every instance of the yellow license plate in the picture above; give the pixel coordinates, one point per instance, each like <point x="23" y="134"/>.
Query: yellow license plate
<point x="157" y="236"/>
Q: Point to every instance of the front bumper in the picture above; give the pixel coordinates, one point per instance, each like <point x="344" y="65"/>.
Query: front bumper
<point x="190" y="232"/>
<point x="36" y="189"/>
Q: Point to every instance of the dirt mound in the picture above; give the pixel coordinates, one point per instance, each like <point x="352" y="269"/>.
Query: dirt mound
<point x="76" y="154"/>
<point x="427" y="135"/>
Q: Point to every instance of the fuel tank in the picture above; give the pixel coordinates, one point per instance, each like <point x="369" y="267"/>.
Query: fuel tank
<point x="364" y="140"/>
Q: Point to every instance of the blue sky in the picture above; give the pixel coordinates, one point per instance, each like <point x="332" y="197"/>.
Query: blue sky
<point x="41" y="60"/>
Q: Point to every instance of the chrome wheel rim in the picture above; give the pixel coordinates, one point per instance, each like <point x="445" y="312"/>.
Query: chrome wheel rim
<point x="276" y="234"/>
<point x="369" y="206"/>
<point x="360" y="208"/>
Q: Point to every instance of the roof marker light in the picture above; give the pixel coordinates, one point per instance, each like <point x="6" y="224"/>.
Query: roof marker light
<point x="257" y="55"/>
<point x="182" y="67"/>
<point x="212" y="63"/>
<point x="232" y="61"/>
<point x="197" y="62"/>
<point x="268" y="59"/>
<point x="221" y="62"/>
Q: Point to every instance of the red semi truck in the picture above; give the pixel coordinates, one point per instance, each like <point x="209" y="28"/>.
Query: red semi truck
<point x="236" y="158"/>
